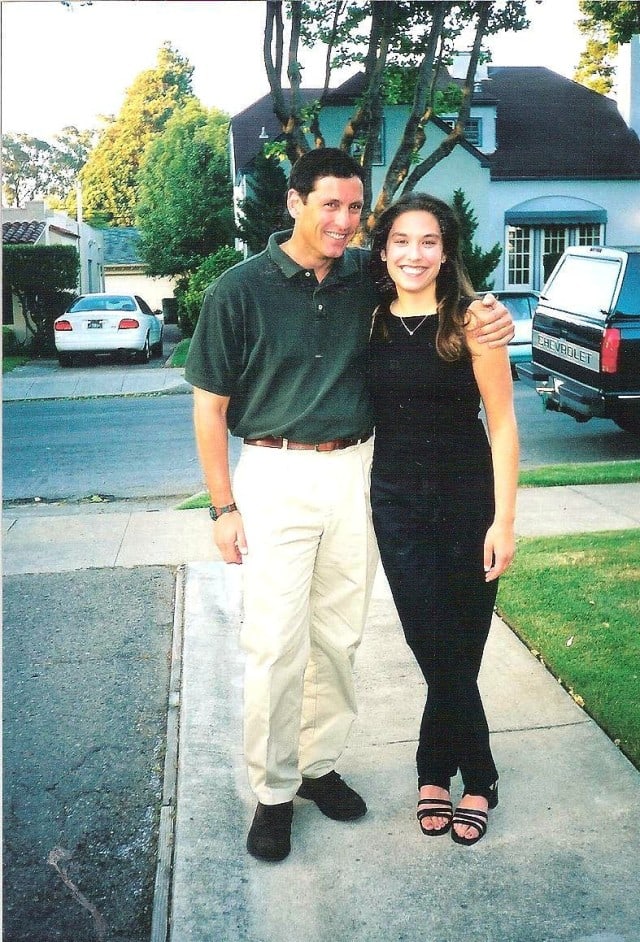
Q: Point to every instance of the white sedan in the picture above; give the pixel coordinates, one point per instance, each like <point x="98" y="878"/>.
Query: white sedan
<point x="108" y="323"/>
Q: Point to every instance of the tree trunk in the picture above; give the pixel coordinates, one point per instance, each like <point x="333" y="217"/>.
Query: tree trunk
<point x="457" y="133"/>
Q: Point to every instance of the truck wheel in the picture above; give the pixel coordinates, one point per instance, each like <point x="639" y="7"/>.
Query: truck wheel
<point x="628" y="418"/>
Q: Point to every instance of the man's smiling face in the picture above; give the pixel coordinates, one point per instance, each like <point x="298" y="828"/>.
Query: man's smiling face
<point x="328" y="219"/>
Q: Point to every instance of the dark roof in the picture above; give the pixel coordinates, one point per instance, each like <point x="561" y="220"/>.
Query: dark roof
<point x="552" y="128"/>
<point x="248" y="125"/>
<point x="22" y="233"/>
<point x="121" y="246"/>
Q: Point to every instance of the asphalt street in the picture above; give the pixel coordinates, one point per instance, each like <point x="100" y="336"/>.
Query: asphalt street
<point x="86" y="670"/>
<point x="128" y="447"/>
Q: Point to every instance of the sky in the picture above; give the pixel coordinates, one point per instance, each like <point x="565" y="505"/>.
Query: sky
<point x="67" y="66"/>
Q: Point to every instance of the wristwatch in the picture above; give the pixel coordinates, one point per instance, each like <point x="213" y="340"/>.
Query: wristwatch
<point x="216" y="512"/>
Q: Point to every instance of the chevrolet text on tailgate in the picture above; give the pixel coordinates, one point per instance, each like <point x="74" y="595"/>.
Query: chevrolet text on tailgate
<point x="585" y="340"/>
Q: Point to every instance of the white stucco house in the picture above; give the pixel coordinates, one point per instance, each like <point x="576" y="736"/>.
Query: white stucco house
<point x="547" y="162"/>
<point x="36" y="224"/>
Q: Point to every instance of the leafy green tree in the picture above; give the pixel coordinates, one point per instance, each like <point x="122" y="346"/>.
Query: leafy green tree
<point x="184" y="210"/>
<point x="605" y="25"/>
<point x="479" y="264"/>
<point x="68" y="156"/>
<point x="33" y="168"/>
<point x="618" y="20"/>
<point x="596" y="68"/>
<point x="264" y="210"/>
<point x="26" y="168"/>
<point x="190" y="288"/>
<point x="379" y="34"/>
<point x="44" y="278"/>
<point x="109" y="178"/>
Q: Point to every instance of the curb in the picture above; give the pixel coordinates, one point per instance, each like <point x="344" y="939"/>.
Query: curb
<point x="166" y="834"/>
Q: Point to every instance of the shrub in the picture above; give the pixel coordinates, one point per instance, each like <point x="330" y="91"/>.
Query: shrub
<point x="10" y="343"/>
<point x="44" y="278"/>
<point x="190" y="289"/>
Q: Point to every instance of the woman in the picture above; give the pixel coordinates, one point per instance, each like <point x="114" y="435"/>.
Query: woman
<point x="443" y="499"/>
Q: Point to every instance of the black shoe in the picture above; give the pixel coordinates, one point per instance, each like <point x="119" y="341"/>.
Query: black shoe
<point x="269" y="836"/>
<point x="476" y="819"/>
<point x="333" y="797"/>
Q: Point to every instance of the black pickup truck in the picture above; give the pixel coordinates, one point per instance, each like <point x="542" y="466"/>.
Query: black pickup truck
<point x="585" y="342"/>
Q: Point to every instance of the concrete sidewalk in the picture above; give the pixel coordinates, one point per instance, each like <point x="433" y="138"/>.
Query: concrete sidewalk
<point x="559" y="861"/>
<point x="45" y="379"/>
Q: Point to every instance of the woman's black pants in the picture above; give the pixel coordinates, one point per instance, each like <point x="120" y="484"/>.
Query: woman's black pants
<point x="431" y="545"/>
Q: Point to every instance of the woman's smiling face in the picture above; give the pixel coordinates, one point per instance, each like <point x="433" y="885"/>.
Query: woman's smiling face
<point x="414" y="251"/>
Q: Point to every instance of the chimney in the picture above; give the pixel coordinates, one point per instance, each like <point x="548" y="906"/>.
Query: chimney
<point x="628" y="83"/>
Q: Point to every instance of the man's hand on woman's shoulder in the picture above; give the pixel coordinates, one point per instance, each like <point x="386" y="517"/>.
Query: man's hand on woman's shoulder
<point x="491" y="321"/>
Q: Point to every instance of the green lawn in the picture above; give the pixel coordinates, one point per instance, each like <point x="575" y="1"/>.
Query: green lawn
<point x="596" y="472"/>
<point x="574" y="601"/>
<point x="179" y="355"/>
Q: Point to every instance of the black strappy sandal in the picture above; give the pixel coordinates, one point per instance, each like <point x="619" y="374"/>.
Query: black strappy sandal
<point x="470" y="817"/>
<point x="435" y="808"/>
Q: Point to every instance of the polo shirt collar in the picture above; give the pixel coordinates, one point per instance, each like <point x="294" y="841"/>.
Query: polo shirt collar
<point x="342" y="268"/>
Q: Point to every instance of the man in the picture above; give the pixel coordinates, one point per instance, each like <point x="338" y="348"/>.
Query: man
<point x="278" y="358"/>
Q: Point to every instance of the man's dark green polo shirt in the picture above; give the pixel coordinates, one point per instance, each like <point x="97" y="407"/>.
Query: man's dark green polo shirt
<point x="289" y="352"/>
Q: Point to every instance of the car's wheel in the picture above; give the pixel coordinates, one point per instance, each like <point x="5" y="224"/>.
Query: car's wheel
<point x="157" y="348"/>
<point x="628" y="418"/>
<point x="64" y="359"/>
<point x="144" y="355"/>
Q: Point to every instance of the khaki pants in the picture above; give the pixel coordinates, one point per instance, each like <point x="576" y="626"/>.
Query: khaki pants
<point x="307" y="582"/>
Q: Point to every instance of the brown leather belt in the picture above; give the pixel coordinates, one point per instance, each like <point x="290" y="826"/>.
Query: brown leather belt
<point x="280" y="442"/>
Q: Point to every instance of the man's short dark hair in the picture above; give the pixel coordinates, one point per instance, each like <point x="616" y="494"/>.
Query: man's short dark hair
<point x="322" y="162"/>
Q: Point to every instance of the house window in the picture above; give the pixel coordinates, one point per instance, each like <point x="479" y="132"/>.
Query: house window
<point x="532" y="251"/>
<point x="589" y="234"/>
<point x="554" y="242"/>
<point x="472" y="129"/>
<point x="519" y="255"/>
<point x="378" y="148"/>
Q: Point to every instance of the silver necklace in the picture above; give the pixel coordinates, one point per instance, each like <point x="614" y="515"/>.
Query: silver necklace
<point x="418" y="326"/>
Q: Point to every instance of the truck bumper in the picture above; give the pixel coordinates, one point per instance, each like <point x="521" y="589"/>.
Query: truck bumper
<point x="564" y="395"/>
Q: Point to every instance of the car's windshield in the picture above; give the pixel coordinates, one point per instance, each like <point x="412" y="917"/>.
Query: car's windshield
<point x="518" y="306"/>
<point x="110" y="302"/>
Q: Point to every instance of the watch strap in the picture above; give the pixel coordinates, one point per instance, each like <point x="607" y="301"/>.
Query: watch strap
<point x="216" y="512"/>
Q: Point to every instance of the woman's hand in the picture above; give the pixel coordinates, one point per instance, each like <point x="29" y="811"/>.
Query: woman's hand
<point x="499" y="549"/>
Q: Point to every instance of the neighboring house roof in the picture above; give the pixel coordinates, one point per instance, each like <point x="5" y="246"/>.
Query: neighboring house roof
<point x="122" y="246"/>
<point x="22" y="233"/>
<point x="549" y="127"/>
<point x="249" y="124"/>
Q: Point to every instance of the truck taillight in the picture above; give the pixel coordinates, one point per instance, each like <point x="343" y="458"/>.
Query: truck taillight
<point x="610" y="349"/>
